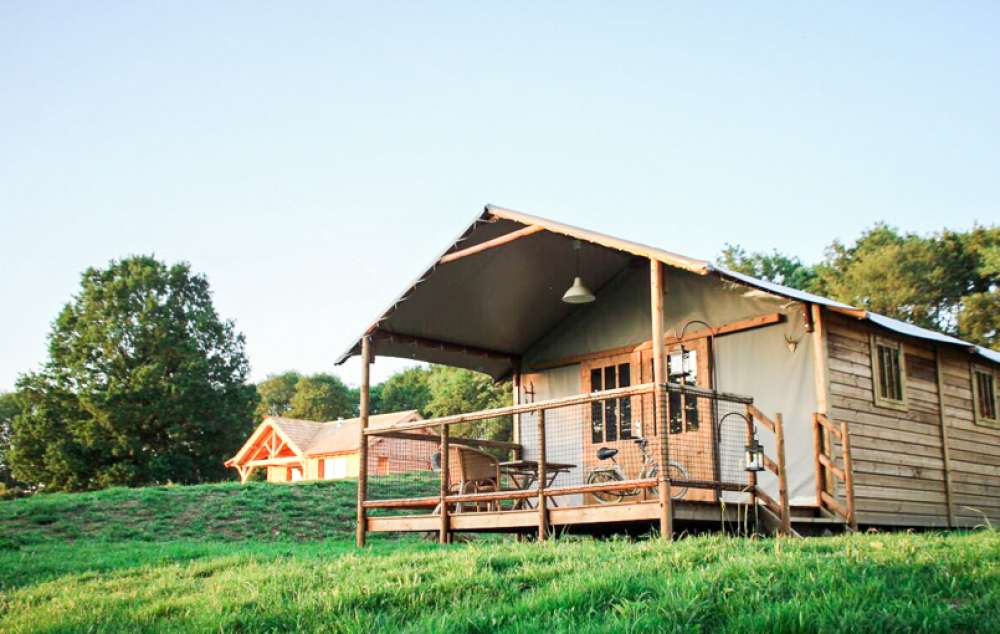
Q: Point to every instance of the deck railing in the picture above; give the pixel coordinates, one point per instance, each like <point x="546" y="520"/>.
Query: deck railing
<point x="602" y="448"/>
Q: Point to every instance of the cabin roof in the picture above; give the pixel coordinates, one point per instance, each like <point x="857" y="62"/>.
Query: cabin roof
<point x="482" y="312"/>
<point x="307" y="438"/>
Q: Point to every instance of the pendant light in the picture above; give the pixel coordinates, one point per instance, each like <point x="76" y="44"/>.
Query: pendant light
<point x="578" y="293"/>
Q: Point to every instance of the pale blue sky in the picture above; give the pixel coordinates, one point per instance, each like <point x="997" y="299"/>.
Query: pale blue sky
<point x="311" y="159"/>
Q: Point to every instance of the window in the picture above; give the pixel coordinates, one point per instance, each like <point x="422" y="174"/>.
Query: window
<point x="682" y="367"/>
<point x="611" y="419"/>
<point x="888" y="373"/>
<point x="984" y="396"/>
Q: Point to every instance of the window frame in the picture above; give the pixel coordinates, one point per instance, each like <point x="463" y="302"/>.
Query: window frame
<point x="881" y="400"/>
<point x="977" y="416"/>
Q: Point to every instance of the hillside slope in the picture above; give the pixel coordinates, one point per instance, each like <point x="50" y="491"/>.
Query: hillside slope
<point x="229" y="511"/>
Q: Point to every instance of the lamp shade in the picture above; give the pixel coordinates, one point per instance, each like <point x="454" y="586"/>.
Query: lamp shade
<point x="578" y="293"/>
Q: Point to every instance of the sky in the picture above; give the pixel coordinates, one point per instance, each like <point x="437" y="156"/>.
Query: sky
<point x="311" y="159"/>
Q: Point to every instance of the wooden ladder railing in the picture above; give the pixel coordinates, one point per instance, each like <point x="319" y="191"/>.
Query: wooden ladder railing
<point x="781" y="508"/>
<point x="828" y="471"/>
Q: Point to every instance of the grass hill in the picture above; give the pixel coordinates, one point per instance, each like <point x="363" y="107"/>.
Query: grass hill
<point x="209" y="512"/>
<point x="265" y="558"/>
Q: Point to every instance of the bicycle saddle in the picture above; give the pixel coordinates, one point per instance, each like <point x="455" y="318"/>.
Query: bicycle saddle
<point x="606" y="452"/>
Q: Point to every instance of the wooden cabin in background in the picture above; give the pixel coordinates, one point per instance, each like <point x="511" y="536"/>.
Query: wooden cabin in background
<point x="659" y="387"/>
<point x="292" y="450"/>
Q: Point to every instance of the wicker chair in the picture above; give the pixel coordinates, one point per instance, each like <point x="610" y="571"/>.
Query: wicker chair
<point x="473" y="471"/>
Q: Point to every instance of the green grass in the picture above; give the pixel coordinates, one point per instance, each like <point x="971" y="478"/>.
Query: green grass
<point x="299" y="572"/>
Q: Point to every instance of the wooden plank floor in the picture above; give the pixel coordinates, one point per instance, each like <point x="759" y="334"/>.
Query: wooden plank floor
<point x="526" y="520"/>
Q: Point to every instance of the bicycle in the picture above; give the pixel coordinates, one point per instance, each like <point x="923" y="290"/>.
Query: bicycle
<point x="614" y="473"/>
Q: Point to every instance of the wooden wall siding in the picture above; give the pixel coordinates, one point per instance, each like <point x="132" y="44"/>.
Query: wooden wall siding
<point x="898" y="461"/>
<point x="974" y="449"/>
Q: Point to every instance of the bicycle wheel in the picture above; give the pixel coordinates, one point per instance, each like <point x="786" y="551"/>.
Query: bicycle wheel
<point x="677" y="473"/>
<point x="605" y="477"/>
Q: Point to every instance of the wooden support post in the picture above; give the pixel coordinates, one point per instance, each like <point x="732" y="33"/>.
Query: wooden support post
<point x="445" y="534"/>
<point x="543" y="511"/>
<point x="845" y="447"/>
<point x="660" y="399"/>
<point x="817" y="452"/>
<point x="786" y="512"/>
<point x="515" y="382"/>
<point x="751" y="475"/>
<point x="821" y="375"/>
<point x="366" y="359"/>
<point x="945" y="445"/>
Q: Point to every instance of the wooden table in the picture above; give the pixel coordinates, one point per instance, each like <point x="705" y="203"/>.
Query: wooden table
<point x="524" y="474"/>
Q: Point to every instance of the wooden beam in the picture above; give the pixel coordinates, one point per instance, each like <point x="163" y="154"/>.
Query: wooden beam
<point x="817" y="452"/>
<point x="435" y="438"/>
<point x="366" y="359"/>
<point x="763" y="420"/>
<point x="660" y="400"/>
<point x="669" y="340"/>
<point x="845" y="442"/>
<point x="945" y="448"/>
<point x="265" y="462"/>
<point x="443" y="534"/>
<point x="779" y="440"/>
<point x="381" y="334"/>
<point x="543" y="518"/>
<point x="566" y="401"/>
<point x="834" y="505"/>
<point x="491" y="244"/>
<point x="834" y="469"/>
<point x="821" y="368"/>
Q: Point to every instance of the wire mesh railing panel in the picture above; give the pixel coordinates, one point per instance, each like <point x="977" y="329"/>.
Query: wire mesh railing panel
<point x="407" y="464"/>
<point x="597" y="449"/>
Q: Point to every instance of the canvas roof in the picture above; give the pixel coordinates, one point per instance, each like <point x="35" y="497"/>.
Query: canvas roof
<point x="311" y="438"/>
<point x="483" y="311"/>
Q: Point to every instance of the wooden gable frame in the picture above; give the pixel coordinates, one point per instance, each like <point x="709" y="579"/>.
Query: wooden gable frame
<point x="264" y="448"/>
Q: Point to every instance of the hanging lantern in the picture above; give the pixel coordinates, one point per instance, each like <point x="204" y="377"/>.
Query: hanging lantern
<point x="578" y="293"/>
<point x="754" y="455"/>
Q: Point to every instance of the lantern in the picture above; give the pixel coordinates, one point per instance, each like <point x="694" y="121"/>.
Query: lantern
<point x="755" y="455"/>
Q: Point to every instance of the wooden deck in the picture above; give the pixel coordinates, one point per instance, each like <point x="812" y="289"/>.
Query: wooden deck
<point x="576" y="516"/>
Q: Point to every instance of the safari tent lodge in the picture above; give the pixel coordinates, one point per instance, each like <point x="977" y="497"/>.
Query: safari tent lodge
<point x="654" y="389"/>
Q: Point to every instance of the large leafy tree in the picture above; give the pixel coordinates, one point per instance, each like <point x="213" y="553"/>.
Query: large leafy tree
<point x="773" y="267"/>
<point x="457" y="391"/>
<point x="9" y="408"/>
<point x="322" y="397"/>
<point x="404" y="390"/>
<point x="276" y="393"/>
<point x="144" y="384"/>
<point x="947" y="281"/>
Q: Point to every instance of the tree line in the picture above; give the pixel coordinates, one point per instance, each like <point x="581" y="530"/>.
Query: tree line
<point x="145" y="384"/>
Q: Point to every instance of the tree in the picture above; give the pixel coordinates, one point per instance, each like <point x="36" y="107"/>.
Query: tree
<point x="322" y="397"/>
<point x="773" y="267"/>
<point x="275" y="393"/>
<point x="948" y="281"/>
<point x="9" y="408"/>
<point x="458" y="391"/>
<point x="144" y="384"/>
<point x="405" y="390"/>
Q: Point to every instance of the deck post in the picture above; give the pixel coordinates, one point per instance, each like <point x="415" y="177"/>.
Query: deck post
<point x="779" y="439"/>
<point x="751" y="475"/>
<point x="444" y="535"/>
<point x="543" y="511"/>
<point x="660" y="400"/>
<point x="845" y="446"/>
<point x="366" y="359"/>
<point x="821" y="375"/>
<point x="515" y="436"/>
<point x="820" y="469"/>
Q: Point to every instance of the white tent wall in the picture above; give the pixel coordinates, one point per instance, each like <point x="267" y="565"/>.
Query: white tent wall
<point x="756" y="363"/>
<point x="564" y="439"/>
